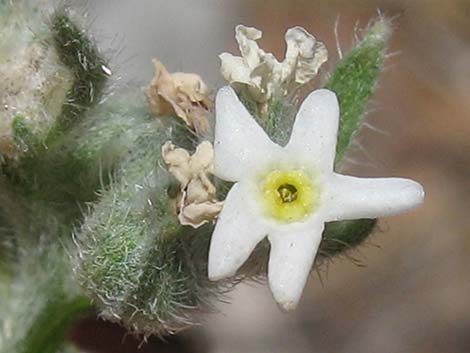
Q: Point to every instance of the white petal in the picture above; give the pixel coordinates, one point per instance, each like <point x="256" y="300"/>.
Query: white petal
<point x="315" y="129"/>
<point x="236" y="234"/>
<point x="240" y="143"/>
<point x="290" y="262"/>
<point x="350" y="197"/>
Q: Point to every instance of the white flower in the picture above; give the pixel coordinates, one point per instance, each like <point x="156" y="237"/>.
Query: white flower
<point x="264" y="75"/>
<point x="288" y="193"/>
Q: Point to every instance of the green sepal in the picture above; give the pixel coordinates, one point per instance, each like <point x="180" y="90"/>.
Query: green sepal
<point x="354" y="78"/>
<point x="342" y="236"/>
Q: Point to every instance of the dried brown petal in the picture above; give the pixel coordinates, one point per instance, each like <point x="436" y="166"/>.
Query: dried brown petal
<point x="182" y="94"/>
<point x="197" y="203"/>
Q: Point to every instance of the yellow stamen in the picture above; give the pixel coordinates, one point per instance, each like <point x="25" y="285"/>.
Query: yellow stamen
<point x="289" y="196"/>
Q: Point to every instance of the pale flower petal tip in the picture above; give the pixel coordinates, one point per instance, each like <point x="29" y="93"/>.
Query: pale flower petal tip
<point x="412" y="195"/>
<point x="409" y="195"/>
<point x="217" y="271"/>
<point x="351" y="197"/>
<point x="418" y="194"/>
<point x="266" y="77"/>
<point x="237" y="232"/>
<point x="288" y="193"/>
<point x="290" y="262"/>
<point x="218" y="268"/>
<point x="288" y="306"/>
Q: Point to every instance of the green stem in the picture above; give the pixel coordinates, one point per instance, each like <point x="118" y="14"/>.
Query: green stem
<point x="47" y="334"/>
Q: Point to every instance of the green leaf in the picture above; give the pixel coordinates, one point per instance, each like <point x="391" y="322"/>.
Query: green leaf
<point x="342" y="236"/>
<point x="354" y="79"/>
<point x="88" y="66"/>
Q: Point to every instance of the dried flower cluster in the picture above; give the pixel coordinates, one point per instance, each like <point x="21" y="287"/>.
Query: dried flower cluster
<point x="262" y="74"/>
<point x="196" y="202"/>
<point x="182" y="94"/>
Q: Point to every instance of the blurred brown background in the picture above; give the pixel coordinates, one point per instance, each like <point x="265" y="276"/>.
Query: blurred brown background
<point x="412" y="292"/>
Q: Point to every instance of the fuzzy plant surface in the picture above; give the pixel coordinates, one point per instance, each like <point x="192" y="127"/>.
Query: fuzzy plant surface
<point x="34" y="80"/>
<point x="87" y="211"/>
<point x="135" y="259"/>
<point x="44" y="185"/>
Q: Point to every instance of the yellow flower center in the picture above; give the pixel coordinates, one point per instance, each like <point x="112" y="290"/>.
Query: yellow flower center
<point x="289" y="196"/>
